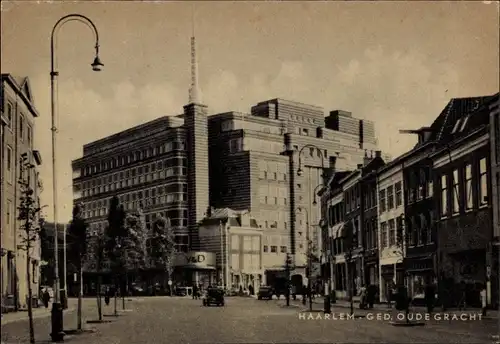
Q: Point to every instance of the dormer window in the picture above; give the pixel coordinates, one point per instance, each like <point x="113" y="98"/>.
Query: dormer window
<point x="464" y="123"/>
<point x="457" y="124"/>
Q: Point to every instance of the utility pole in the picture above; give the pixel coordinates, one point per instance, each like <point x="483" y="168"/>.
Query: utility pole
<point x="288" y="266"/>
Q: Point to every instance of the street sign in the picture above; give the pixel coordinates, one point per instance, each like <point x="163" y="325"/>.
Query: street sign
<point x="169" y="282"/>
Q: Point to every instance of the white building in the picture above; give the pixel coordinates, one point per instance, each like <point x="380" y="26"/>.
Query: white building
<point x="236" y="240"/>
<point x="391" y="213"/>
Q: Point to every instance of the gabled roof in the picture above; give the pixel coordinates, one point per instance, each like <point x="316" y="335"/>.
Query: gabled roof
<point x="334" y="178"/>
<point x="457" y="108"/>
<point x="227" y="215"/>
<point x="22" y="86"/>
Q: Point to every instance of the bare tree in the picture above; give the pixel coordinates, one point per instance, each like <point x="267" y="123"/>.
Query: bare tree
<point x="29" y="211"/>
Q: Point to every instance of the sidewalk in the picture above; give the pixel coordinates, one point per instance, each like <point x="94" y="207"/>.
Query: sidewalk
<point x="39" y="312"/>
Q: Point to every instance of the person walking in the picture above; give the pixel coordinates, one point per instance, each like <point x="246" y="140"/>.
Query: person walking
<point x="483" y="300"/>
<point x="46" y="298"/>
<point x="429" y="295"/>
<point x="195" y="292"/>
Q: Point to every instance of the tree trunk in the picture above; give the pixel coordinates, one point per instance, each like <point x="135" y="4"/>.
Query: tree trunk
<point x="80" y="297"/>
<point x="116" y="295"/>
<point x="99" y="303"/>
<point x="124" y="289"/>
<point x="30" y="298"/>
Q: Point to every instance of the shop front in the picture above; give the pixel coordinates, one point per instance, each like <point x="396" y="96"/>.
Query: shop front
<point x="194" y="268"/>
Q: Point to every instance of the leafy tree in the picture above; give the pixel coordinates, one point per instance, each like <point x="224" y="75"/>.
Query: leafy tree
<point x="77" y="249"/>
<point x="115" y="235"/>
<point x="132" y="248"/>
<point x="29" y="211"/>
<point x="162" y="246"/>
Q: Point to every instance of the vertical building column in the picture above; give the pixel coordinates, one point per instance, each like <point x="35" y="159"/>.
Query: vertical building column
<point x="195" y="121"/>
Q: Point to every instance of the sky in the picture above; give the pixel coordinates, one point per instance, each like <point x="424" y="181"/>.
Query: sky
<point x="395" y="63"/>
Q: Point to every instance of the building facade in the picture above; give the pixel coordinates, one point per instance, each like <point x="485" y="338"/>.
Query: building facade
<point x="391" y="213"/>
<point x="236" y="240"/>
<point x="463" y="193"/>
<point x="255" y="159"/>
<point x="146" y="167"/>
<point x="19" y="113"/>
<point x="495" y="166"/>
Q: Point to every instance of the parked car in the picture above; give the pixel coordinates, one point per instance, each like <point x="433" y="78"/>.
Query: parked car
<point x="265" y="292"/>
<point x="214" y="296"/>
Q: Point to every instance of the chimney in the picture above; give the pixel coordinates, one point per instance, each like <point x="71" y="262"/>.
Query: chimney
<point x="378" y="154"/>
<point x="360" y="166"/>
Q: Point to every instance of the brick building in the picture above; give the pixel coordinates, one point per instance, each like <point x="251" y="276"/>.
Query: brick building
<point x="463" y="193"/>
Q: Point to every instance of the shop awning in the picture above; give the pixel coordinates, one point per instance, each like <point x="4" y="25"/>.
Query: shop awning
<point x="337" y="230"/>
<point x="194" y="267"/>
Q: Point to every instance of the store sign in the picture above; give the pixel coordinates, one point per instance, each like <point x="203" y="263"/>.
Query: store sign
<point x="195" y="259"/>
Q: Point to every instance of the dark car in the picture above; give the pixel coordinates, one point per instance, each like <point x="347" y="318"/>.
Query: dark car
<point x="265" y="292"/>
<point x="214" y="296"/>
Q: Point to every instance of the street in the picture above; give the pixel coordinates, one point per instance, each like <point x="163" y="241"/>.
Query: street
<point x="244" y="320"/>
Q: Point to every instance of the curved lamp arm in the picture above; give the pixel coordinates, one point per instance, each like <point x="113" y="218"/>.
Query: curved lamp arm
<point x="97" y="64"/>
<point x="299" y="171"/>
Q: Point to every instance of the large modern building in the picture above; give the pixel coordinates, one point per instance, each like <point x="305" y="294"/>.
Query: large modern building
<point x="270" y="163"/>
<point x="19" y="115"/>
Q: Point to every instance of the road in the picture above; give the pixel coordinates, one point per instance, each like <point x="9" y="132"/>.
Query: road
<point x="245" y="320"/>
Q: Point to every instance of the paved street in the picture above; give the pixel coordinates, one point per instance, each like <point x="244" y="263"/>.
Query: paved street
<point x="245" y="320"/>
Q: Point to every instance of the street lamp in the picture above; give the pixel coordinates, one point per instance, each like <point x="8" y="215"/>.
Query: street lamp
<point x="57" y="333"/>
<point x="308" y="274"/>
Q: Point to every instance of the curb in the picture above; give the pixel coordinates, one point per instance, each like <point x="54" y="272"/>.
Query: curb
<point x="6" y="321"/>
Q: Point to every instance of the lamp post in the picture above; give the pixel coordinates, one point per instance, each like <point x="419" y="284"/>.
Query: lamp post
<point x="308" y="255"/>
<point x="57" y="333"/>
<point x="299" y="173"/>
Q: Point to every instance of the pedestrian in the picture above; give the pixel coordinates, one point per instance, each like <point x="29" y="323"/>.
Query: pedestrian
<point x="107" y="296"/>
<point x="483" y="300"/>
<point x="250" y="289"/>
<point x="389" y="293"/>
<point x="429" y="295"/>
<point x="362" y="297"/>
<point x="195" y="292"/>
<point x="46" y="298"/>
<point x="294" y="292"/>
<point x="370" y="297"/>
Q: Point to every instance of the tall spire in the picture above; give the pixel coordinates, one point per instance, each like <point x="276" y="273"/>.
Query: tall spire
<point x="194" y="92"/>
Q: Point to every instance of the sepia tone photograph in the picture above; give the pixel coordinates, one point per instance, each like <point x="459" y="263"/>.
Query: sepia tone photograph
<point x="201" y="172"/>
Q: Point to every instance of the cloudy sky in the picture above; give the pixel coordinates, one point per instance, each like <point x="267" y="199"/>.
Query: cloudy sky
<point x="397" y="64"/>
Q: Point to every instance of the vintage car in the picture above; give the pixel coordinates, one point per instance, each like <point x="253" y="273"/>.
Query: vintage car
<point x="265" y="292"/>
<point x="213" y="296"/>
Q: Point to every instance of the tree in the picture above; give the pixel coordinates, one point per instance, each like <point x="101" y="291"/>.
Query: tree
<point x="77" y="249"/>
<point x="162" y="246"/>
<point x="133" y="248"/>
<point x="115" y="233"/>
<point x="29" y="211"/>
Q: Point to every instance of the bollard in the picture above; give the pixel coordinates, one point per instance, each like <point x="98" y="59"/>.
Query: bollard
<point x="327" y="305"/>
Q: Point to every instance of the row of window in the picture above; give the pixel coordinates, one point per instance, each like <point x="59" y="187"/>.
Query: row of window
<point x="391" y="197"/>
<point x="273" y="176"/>
<point x="132" y="157"/>
<point x="273" y="200"/>
<point x="458" y="193"/>
<point x="352" y="199"/>
<point x="250" y="242"/>
<point x="420" y="184"/>
<point x="25" y="130"/>
<point x="274" y="249"/>
<point x="104" y="184"/>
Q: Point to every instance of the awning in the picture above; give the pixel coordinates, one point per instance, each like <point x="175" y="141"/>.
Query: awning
<point x="336" y="231"/>
<point x="194" y="267"/>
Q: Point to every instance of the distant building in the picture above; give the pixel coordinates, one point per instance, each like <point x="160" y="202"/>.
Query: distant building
<point x="18" y="117"/>
<point x="236" y="239"/>
<point x="495" y="165"/>
<point x="254" y="165"/>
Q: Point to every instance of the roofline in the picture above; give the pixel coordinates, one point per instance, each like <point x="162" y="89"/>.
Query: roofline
<point x="402" y="158"/>
<point x="13" y="83"/>
<point x="349" y="176"/>
<point x="457" y="142"/>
